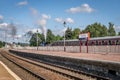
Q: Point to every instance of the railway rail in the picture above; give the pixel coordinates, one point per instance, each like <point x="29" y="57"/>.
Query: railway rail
<point x="63" y="73"/>
<point x="21" y="66"/>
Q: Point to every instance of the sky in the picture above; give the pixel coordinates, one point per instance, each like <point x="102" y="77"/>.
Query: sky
<point x="50" y="14"/>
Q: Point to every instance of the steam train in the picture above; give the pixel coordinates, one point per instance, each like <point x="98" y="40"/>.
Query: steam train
<point x="98" y="41"/>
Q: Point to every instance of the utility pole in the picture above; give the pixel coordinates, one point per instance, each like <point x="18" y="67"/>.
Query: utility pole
<point x="64" y="23"/>
<point x="37" y="39"/>
<point x="5" y="38"/>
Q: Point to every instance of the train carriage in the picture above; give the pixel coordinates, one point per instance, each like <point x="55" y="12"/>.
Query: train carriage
<point x="109" y="40"/>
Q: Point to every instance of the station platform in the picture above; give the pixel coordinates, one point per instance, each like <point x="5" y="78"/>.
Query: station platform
<point x="6" y="73"/>
<point x="89" y="56"/>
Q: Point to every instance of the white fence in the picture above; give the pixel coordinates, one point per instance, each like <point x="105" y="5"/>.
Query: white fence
<point x="91" y="49"/>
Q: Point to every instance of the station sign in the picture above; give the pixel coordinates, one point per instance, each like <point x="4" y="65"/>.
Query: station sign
<point x="84" y="36"/>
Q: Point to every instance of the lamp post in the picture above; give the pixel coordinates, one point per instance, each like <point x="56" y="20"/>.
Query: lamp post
<point x="64" y="23"/>
<point x="37" y="39"/>
<point x="5" y="38"/>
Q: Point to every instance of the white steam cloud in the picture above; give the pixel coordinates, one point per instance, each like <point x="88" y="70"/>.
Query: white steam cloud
<point x="41" y="20"/>
<point x="61" y="20"/>
<point x="83" y="8"/>
<point x="42" y="24"/>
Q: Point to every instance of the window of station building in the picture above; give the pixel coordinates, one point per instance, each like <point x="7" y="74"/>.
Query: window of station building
<point x="106" y="42"/>
<point x="97" y="42"/>
<point x="113" y="42"/>
<point x="103" y="43"/>
<point x="117" y="42"/>
<point x="100" y="43"/>
<point x="110" y="42"/>
<point x="93" y="43"/>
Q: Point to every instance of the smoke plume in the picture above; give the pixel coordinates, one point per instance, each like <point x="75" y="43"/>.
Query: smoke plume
<point x="42" y="24"/>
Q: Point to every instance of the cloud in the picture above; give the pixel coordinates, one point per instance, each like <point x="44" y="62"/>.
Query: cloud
<point x="117" y="28"/>
<point x="61" y="20"/>
<point x="3" y="25"/>
<point x="1" y="17"/>
<point x="59" y="31"/>
<point x="23" y="3"/>
<point x="83" y="8"/>
<point x="69" y="20"/>
<point x="34" y="11"/>
<point x="18" y="36"/>
<point x="44" y="16"/>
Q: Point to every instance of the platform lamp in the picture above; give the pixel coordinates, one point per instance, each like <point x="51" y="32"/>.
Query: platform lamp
<point x="37" y="39"/>
<point x="5" y="38"/>
<point x="64" y="23"/>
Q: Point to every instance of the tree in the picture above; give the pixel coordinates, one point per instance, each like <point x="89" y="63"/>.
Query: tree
<point x="29" y="33"/>
<point x="68" y="34"/>
<point x="76" y="33"/>
<point x="1" y="44"/>
<point x="103" y="31"/>
<point x="118" y="33"/>
<point x="111" y="30"/>
<point x="50" y="37"/>
<point x="96" y="30"/>
<point x="33" y="40"/>
<point x="42" y="39"/>
<point x="58" y="37"/>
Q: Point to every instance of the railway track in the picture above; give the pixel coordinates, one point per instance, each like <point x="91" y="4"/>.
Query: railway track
<point x="73" y="70"/>
<point x="63" y="73"/>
